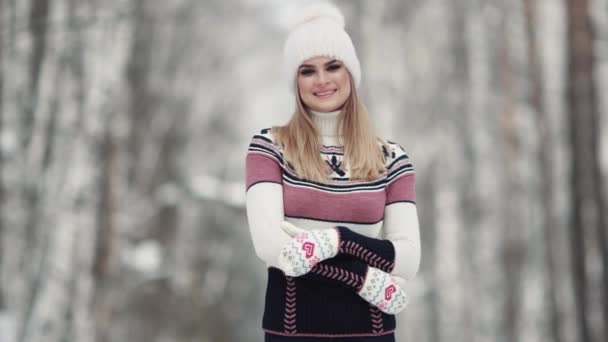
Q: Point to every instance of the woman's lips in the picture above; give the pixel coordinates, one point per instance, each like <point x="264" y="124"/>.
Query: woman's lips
<point x="324" y="94"/>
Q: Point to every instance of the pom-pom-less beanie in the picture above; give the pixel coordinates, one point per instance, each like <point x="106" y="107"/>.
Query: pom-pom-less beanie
<point x="318" y="30"/>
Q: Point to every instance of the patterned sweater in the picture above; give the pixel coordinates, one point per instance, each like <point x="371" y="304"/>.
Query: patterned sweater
<point x="378" y="227"/>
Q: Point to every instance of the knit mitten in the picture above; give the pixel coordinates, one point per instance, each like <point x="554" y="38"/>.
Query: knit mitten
<point x="315" y="251"/>
<point x="380" y="290"/>
<point x="306" y="249"/>
<point x="373" y="285"/>
<point x="377" y="253"/>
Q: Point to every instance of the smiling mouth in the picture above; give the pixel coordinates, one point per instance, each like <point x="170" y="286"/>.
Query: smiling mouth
<point x="325" y="94"/>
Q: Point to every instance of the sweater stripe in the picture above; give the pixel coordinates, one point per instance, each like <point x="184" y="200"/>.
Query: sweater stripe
<point x="402" y="189"/>
<point x="362" y="207"/>
<point x="261" y="170"/>
<point x="400" y="166"/>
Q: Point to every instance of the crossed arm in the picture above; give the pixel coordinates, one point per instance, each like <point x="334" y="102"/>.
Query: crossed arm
<point x="366" y="261"/>
<point x="351" y="259"/>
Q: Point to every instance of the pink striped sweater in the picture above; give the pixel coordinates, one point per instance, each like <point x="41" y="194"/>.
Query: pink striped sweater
<point x="378" y="225"/>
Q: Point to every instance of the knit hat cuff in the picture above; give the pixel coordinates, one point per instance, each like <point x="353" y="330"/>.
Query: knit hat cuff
<point x="320" y="32"/>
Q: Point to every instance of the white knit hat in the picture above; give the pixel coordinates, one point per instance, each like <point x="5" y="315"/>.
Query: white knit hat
<point x="319" y="31"/>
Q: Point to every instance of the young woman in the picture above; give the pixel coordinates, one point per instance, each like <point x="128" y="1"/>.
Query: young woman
<point x="331" y="207"/>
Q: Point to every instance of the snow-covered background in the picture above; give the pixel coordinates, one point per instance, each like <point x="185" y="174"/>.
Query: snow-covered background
<point x="124" y="127"/>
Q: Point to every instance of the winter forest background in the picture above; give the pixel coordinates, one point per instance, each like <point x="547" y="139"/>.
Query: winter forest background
<point x="123" y="131"/>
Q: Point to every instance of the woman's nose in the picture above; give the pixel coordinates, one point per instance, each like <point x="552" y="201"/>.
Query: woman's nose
<point x="322" y="77"/>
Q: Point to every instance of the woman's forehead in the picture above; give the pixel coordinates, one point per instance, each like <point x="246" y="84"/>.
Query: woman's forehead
<point x="318" y="61"/>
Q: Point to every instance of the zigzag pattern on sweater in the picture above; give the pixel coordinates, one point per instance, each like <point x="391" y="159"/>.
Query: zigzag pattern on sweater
<point x="369" y="257"/>
<point x="289" y="318"/>
<point x="346" y="277"/>
<point x="376" y="318"/>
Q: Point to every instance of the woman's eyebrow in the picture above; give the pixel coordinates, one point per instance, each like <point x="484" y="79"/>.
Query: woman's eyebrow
<point x="312" y="66"/>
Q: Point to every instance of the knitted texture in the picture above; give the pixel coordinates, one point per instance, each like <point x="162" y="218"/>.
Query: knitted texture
<point x="373" y="285"/>
<point x="380" y="290"/>
<point x="318" y="30"/>
<point x="339" y="274"/>
<point x="309" y="306"/>
<point x="341" y="271"/>
<point x="306" y="249"/>
<point x="331" y="300"/>
<point x="375" y="252"/>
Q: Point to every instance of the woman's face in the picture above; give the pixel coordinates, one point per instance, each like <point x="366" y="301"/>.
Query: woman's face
<point x="323" y="84"/>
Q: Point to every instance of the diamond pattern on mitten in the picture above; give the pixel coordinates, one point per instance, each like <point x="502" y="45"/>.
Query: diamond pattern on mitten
<point x="306" y="249"/>
<point x="380" y="290"/>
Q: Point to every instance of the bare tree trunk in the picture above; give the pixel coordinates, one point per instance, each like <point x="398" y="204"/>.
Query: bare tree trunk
<point x="469" y="196"/>
<point x="39" y="15"/>
<point x="102" y="268"/>
<point x="357" y="32"/>
<point x="479" y="37"/>
<point x="2" y="43"/>
<point x="140" y="102"/>
<point x="430" y="258"/>
<point x="589" y="210"/>
<point x="79" y="311"/>
<point x="545" y="160"/>
<point x="35" y="241"/>
<point x="513" y="248"/>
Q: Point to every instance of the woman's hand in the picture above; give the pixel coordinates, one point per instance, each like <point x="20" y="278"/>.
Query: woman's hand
<point x="306" y="249"/>
<point x="383" y="291"/>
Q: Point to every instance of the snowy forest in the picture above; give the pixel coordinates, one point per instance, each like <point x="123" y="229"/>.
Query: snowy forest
<point x="124" y="127"/>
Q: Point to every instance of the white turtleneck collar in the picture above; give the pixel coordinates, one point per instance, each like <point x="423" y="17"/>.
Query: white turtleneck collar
<point x="326" y="123"/>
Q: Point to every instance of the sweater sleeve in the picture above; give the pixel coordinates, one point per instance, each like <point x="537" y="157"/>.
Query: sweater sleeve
<point x="400" y="225"/>
<point x="264" y="197"/>
<point x="262" y="164"/>
<point x="347" y="272"/>
<point x="398" y="251"/>
<point x="265" y="212"/>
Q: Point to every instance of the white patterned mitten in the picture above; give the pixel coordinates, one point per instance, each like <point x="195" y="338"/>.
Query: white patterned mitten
<point x="381" y="290"/>
<point x="306" y="249"/>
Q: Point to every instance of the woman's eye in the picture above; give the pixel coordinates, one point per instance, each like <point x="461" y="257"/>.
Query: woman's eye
<point x="306" y="72"/>
<point x="334" y="67"/>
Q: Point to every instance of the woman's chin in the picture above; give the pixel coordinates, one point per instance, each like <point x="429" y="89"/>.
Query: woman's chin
<point x="325" y="107"/>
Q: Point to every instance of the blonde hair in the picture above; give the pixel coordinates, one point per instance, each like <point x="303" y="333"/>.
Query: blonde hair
<point x="301" y="142"/>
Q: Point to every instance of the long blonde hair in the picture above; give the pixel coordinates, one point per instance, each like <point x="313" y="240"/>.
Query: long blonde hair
<point x="301" y="142"/>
